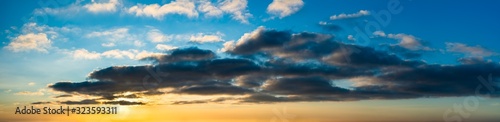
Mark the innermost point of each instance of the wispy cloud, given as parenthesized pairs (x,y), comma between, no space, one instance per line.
(348,16)
(474,51)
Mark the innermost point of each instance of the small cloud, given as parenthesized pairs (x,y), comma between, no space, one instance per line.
(96,7)
(350,37)
(164,47)
(31,83)
(206,38)
(30,93)
(181,7)
(85,54)
(348,16)
(38,42)
(474,51)
(110,44)
(157,36)
(284,8)
(138,43)
(406,41)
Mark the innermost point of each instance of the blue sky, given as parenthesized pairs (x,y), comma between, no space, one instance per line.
(43,44)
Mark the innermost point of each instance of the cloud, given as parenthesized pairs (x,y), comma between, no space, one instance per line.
(349,16)
(85,54)
(329,26)
(237,8)
(283,8)
(116,53)
(156,36)
(185,54)
(38,42)
(114,35)
(206,38)
(350,37)
(31,83)
(474,51)
(406,41)
(109,44)
(302,86)
(209,9)
(164,47)
(40,92)
(268,65)
(181,7)
(96,7)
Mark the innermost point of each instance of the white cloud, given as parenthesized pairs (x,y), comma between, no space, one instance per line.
(96,7)
(206,38)
(347,16)
(283,8)
(182,7)
(111,35)
(209,9)
(164,47)
(119,54)
(230,45)
(138,43)
(350,37)
(85,54)
(237,8)
(406,41)
(109,44)
(157,36)
(227,46)
(379,33)
(116,54)
(30,93)
(409,41)
(31,83)
(30,42)
(474,51)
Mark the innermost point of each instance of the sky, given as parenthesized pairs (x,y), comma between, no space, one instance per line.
(252,60)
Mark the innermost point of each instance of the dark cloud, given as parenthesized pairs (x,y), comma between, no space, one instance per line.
(82,102)
(303,86)
(286,67)
(473,60)
(184,54)
(94,101)
(330,27)
(123,102)
(36,103)
(213,88)
(64,95)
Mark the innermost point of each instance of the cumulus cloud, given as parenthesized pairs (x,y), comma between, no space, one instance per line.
(283,8)
(96,7)
(269,65)
(38,42)
(348,16)
(181,7)
(85,54)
